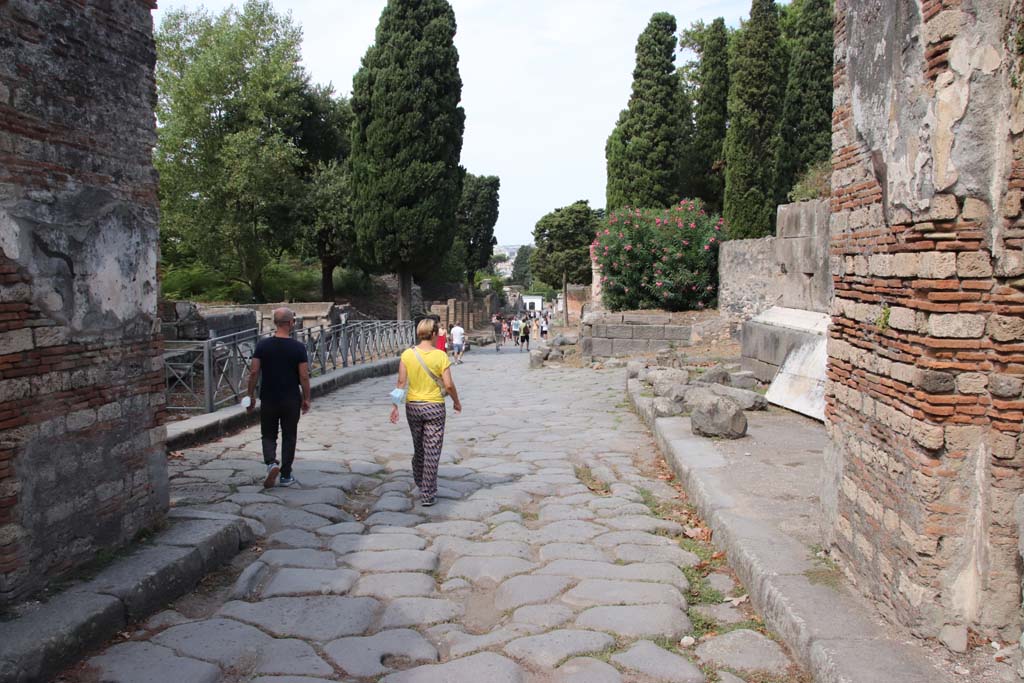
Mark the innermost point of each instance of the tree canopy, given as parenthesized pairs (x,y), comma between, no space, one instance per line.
(711,114)
(521,274)
(407,141)
(755,103)
(562,240)
(645,150)
(477,215)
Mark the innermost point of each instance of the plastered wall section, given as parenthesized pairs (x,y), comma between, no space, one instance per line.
(926,348)
(82,461)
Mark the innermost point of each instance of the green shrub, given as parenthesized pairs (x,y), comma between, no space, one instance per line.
(815,183)
(659,258)
(196,282)
(351,281)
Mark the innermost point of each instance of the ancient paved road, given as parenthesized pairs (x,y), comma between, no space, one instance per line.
(517,574)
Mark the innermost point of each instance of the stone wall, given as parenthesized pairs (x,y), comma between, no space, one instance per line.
(82,461)
(790,270)
(926,349)
(621,335)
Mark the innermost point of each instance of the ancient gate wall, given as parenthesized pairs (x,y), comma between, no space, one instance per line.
(926,355)
(82,462)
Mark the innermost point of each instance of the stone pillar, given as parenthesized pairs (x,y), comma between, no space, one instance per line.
(596,302)
(82,459)
(926,349)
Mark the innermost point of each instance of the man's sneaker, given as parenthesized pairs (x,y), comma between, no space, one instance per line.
(273,469)
(428,502)
(287,481)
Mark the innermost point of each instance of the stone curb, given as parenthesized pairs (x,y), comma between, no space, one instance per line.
(210,426)
(37,645)
(831,633)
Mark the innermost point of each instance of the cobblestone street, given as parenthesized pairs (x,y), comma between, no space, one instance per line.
(542,561)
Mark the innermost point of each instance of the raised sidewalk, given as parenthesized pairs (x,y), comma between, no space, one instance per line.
(759,497)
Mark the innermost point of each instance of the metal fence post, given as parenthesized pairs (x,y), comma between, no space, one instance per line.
(344,346)
(209,393)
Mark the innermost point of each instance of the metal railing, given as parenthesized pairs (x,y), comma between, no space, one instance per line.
(204,375)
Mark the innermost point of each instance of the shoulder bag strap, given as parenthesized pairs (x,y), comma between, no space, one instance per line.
(437,380)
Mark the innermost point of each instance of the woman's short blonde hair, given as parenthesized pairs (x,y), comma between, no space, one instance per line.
(426,330)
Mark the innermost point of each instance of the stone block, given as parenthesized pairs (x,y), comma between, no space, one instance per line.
(647,318)
(937,265)
(935,382)
(906,319)
(630,347)
(943,207)
(964,325)
(1012,203)
(1005,386)
(15,341)
(677,332)
(601,347)
(599,330)
(1006,328)
(620,331)
(973,264)
(972,383)
(648,332)
(976,210)
(906,264)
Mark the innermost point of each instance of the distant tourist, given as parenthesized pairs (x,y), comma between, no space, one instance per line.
(427,370)
(458,342)
(442,339)
(498,325)
(544,328)
(524,335)
(281,365)
(516,326)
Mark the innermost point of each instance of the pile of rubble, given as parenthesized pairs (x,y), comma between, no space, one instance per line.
(558,348)
(715,398)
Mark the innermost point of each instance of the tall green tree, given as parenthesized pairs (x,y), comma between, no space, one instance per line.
(563,238)
(229,106)
(477,215)
(712,112)
(406,142)
(643,152)
(755,104)
(521,274)
(806,131)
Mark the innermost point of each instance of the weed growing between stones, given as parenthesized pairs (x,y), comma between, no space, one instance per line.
(586,476)
(700,590)
(825,572)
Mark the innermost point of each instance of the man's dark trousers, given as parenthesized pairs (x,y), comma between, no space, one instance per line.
(284,413)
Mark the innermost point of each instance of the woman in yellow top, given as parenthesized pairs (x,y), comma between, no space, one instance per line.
(424,407)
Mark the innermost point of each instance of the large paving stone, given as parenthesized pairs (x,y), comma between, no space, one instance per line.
(276,517)
(629,552)
(643,523)
(392,560)
(544,616)
(587,670)
(395,585)
(363,657)
(342,528)
(722,613)
(594,592)
(529,590)
(457,643)
(615,538)
(649,660)
(486,667)
(349,543)
(557,513)
(392,519)
(451,547)
(472,509)
(320,618)
(296,538)
(297,581)
(419,612)
(299,557)
(585,569)
(461,528)
(492,569)
(223,641)
(329,512)
(134,662)
(722,583)
(548,649)
(569,531)
(572,551)
(744,649)
(299,497)
(637,621)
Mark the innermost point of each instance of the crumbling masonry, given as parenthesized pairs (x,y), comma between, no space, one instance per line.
(82,462)
(926,349)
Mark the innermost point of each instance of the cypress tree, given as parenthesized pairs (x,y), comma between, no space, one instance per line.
(755,103)
(806,132)
(643,153)
(406,142)
(712,114)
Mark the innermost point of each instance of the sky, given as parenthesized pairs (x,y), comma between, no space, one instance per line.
(543,82)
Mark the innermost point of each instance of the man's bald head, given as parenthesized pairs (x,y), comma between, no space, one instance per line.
(283,316)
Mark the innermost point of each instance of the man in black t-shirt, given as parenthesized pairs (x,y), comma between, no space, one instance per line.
(282,365)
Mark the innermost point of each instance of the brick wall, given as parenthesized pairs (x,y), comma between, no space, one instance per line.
(926,350)
(82,462)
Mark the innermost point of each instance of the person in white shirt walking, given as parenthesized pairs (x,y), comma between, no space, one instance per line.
(516,323)
(458,342)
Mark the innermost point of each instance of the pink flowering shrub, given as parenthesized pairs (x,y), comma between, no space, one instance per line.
(659,258)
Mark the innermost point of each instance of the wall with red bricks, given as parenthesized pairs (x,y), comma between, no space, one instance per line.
(926,350)
(82,460)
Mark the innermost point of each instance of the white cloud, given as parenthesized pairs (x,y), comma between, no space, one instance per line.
(543,84)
